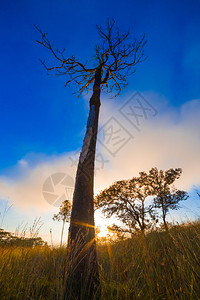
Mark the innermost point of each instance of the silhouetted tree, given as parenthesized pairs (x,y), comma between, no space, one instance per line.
(63,215)
(134,201)
(160,185)
(127,201)
(115,60)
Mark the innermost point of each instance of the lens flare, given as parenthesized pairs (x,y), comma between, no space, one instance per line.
(103,231)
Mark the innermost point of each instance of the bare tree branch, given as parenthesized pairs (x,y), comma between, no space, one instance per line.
(113,56)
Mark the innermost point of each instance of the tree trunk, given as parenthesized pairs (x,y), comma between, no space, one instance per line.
(164,220)
(143,216)
(82,277)
(61,239)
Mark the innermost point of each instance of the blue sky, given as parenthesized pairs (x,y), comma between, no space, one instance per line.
(39,117)
(34,107)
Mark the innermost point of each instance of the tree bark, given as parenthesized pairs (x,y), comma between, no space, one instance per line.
(164,219)
(61,239)
(82,277)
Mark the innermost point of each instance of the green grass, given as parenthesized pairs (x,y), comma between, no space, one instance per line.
(163,265)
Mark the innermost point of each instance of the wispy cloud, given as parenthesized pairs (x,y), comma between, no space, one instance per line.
(170,139)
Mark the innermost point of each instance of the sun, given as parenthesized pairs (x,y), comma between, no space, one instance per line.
(103,231)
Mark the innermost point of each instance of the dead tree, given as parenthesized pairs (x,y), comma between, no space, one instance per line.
(115,60)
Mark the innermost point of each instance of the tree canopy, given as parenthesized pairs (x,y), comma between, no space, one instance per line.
(161,185)
(127,200)
(135,202)
(64,212)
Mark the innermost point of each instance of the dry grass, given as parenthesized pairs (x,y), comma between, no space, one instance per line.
(160,266)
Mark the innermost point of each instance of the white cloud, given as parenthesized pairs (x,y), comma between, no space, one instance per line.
(26,191)
(170,139)
(23,163)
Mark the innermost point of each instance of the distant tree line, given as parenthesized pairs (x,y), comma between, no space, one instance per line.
(19,239)
(9,239)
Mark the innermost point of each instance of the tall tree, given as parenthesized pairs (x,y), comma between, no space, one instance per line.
(161,185)
(64,216)
(115,60)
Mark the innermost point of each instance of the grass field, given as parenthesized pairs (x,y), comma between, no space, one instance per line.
(162,265)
